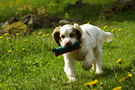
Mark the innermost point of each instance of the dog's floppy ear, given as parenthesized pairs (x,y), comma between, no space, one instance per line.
(56,35)
(78,31)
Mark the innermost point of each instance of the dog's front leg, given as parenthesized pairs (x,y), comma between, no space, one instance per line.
(88,61)
(69,68)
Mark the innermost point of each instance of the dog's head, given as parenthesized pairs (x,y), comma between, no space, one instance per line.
(67,35)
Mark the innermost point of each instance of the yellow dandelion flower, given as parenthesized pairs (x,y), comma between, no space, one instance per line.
(9,51)
(119,61)
(126,78)
(119,29)
(8,38)
(91,83)
(101,83)
(105,27)
(40,33)
(87,84)
(95,81)
(1,37)
(129,75)
(112,30)
(17,34)
(47,35)
(43,36)
(33,32)
(37,36)
(23,49)
(122,79)
(26,40)
(118,88)
(88,22)
(6,34)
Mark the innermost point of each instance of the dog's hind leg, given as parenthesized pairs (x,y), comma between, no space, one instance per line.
(98,56)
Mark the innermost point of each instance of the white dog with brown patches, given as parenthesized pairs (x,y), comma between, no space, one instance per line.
(90,37)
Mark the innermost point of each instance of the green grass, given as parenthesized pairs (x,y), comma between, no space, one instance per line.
(37,67)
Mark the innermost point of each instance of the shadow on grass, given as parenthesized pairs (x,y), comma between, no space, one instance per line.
(109,72)
(110,47)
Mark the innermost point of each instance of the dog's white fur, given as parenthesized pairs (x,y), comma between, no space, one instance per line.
(91,38)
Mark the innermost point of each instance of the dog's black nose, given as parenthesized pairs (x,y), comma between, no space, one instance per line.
(68,44)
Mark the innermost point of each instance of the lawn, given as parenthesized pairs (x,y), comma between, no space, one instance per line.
(27,62)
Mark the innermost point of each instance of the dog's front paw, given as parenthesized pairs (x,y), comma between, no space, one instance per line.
(72,79)
(99,71)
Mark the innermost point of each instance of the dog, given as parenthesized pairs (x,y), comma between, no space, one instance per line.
(90,38)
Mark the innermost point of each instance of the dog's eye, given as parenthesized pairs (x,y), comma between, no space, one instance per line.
(71,35)
(62,36)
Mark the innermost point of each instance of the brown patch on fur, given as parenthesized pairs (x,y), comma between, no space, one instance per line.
(56,35)
(73,34)
(78,32)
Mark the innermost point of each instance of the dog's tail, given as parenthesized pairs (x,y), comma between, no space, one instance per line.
(108,36)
